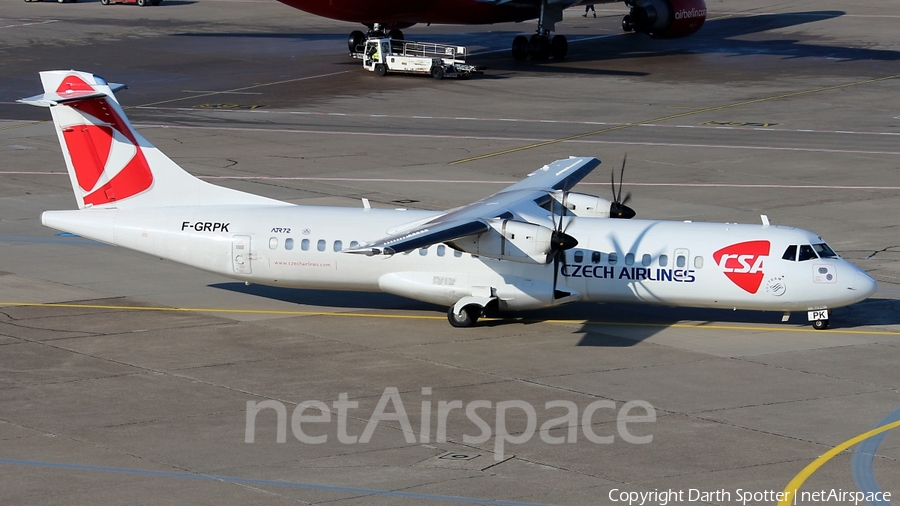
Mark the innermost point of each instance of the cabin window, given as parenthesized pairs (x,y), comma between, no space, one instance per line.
(320,245)
(629,259)
(423,251)
(595,257)
(457,253)
(806,253)
(288,243)
(680,261)
(790,253)
(663,260)
(304,244)
(645,260)
(824,251)
(354,244)
(338,245)
(579,257)
(698,262)
(273,243)
(613,258)
(441,249)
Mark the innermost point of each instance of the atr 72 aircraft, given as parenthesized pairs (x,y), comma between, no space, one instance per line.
(661,19)
(532,245)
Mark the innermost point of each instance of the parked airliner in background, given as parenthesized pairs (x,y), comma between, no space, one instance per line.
(534,244)
(661,19)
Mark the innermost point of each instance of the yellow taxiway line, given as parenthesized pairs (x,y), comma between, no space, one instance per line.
(278,312)
(807,471)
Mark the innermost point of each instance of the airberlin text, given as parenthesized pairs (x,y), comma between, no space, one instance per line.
(205,226)
(631,273)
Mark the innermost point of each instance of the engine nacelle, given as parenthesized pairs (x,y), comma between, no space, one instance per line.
(510,240)
(584,205)
(668,19)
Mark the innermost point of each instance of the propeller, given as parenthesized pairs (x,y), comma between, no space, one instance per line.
(560,241)
(618,209)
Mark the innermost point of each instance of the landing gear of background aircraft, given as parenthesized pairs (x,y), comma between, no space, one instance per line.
(395,34)
(627,23)
(356,41)
(539,47)
(817,324)
(467,316)
(559,47)
(520,47)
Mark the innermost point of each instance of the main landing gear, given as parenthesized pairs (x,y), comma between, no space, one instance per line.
(466,317)
(469,309)
(540,46)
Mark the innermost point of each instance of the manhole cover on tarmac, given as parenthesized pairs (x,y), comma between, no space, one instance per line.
(458,456)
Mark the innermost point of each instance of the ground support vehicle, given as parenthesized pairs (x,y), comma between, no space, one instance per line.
(381,55)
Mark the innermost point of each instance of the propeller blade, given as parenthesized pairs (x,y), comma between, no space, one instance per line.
(621,177)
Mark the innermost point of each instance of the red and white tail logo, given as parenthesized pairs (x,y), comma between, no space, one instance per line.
(108,162)
(742,263)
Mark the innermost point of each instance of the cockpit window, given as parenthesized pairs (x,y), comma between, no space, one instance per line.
(824,251)
(806,253)
(790,253)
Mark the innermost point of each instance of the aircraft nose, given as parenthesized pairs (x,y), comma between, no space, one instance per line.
(864,283)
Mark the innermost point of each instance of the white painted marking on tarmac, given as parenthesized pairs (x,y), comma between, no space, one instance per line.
(507,182)
(524,139)
(26,22)
(529,120)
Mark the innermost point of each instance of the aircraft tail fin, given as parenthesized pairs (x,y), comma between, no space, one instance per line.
(109,163)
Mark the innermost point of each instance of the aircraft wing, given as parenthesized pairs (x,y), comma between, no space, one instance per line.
(473,219)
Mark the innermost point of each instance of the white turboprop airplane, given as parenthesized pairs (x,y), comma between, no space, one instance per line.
(532,245)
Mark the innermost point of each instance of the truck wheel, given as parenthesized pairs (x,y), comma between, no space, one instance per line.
(437,72)
(380,69)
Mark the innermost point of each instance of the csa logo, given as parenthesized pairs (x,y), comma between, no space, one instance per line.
(109,164)
(742,263)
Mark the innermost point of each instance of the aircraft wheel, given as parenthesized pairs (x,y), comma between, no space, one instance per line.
(437,72)
(820,324)
(142,2)
(559,47)
(627,23)
(380,69)
(355,40)
(152,2)
(104,2)
(539,47)
(468,317)
(395,34)
(520,47)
